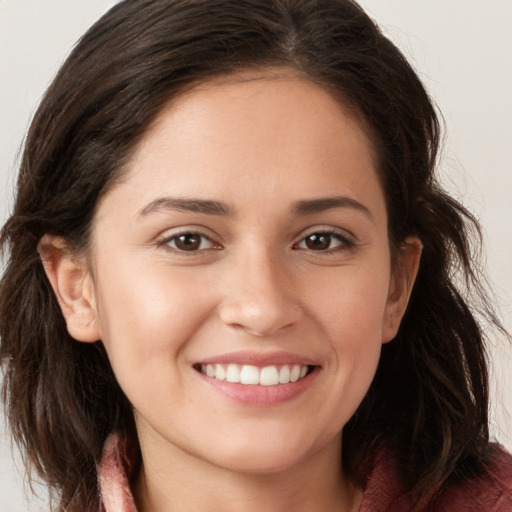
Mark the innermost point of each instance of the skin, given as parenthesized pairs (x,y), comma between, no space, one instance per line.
(259,144)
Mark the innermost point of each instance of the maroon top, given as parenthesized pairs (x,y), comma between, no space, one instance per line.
(491,492)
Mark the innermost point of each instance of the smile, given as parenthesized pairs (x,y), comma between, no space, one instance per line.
(251,375)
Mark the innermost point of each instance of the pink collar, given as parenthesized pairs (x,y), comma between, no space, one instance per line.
(115,466)
(491,492)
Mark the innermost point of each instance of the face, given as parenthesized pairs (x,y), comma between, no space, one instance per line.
(247,242)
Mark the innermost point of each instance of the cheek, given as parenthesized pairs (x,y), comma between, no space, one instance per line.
(146,315)
(352,313)
(352,302)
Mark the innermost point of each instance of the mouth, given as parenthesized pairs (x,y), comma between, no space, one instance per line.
(251,375)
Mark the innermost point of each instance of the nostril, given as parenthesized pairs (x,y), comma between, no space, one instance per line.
(260,318)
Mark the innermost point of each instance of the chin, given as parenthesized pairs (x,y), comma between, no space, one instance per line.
(263,463)
(260,456)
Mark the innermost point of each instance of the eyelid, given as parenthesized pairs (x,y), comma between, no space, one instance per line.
(347,239)
(323,228)
(165,238)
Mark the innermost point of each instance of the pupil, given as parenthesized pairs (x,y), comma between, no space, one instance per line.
(188,242)
(318,242)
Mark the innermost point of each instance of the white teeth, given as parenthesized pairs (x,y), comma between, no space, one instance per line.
(249,375)
(252,375)
(233,373)
(284,374)
(295,373)
(269,376)
(220,373)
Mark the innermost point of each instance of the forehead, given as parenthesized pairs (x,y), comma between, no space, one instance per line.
(258,136)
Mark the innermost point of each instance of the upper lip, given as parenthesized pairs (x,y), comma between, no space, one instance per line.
(245,357)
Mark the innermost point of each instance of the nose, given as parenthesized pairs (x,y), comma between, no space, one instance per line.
(260,296)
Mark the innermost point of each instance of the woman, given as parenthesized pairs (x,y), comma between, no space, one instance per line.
(230,278)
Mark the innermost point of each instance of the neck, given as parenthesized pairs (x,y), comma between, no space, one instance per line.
(179,482)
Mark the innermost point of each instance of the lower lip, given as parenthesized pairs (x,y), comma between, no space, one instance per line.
(263,396)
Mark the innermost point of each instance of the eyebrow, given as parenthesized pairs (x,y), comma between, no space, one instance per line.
(311,206)
(206,206)
(210,207)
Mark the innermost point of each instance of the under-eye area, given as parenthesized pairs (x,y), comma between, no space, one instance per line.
(271,375)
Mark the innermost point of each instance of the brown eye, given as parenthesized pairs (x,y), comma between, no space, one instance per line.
(189,242)
(324,241)
(318,241)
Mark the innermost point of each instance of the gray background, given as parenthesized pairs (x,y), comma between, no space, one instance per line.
(461,49)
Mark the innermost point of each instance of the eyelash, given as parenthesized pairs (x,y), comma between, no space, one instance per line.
(165,243)
(344,242)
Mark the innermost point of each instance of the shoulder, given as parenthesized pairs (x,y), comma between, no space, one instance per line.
(490,492)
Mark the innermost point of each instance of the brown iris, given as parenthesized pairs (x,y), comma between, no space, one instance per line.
(188,242)
(318,241)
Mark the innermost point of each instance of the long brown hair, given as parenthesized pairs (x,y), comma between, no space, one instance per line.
(428,402)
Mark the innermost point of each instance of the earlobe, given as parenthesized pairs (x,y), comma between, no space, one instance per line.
(401,286)
(73,287)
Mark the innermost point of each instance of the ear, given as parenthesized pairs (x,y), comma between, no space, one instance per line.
(400,287)
(73,286)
